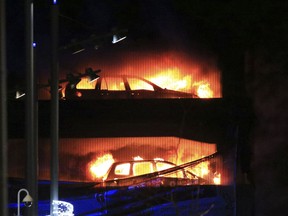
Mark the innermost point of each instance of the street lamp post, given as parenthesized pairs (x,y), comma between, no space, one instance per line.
(54,107)
(27,200)
(31,113)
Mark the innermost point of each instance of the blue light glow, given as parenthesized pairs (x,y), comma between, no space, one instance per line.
(62,208)
(34,44)
(54,2)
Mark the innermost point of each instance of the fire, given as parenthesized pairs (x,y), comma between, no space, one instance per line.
(86,84)
(203,89)
(201,169)
(158,159)
(137,158)
(173,70)
(170,78)
(99,167)
(217,179)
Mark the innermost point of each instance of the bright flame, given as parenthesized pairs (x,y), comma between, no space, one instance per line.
(86,84)
(99,167)
(158,159)
(203,89)
(217,179)
(171,79)
(171,70)
(201,169)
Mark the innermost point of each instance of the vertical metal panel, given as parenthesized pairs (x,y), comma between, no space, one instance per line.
(3,109)
(31,113)
(54,106)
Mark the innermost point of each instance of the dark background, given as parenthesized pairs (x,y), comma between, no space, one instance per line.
(249,40)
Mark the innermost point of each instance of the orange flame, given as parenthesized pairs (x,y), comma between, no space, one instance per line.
(170,78)
(201,169)
(217,179)
(172,70)
(99,167)
(203,89)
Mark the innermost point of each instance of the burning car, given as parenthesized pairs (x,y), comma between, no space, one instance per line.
(130,185)
(118,87)
(152,173)
(147,173)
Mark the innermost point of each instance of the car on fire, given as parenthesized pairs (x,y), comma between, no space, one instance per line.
(129,185)
(118,87)
(149,173)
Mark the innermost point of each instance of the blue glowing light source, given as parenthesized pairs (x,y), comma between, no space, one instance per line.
(54,2)
(62,208)
(34,44)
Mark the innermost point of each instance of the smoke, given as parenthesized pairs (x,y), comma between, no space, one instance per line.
(144,151)
(74,167)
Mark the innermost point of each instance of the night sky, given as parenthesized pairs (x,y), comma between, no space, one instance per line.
(159,26)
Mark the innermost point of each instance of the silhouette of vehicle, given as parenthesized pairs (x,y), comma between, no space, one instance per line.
(118,87)
(147,173)
(134,183)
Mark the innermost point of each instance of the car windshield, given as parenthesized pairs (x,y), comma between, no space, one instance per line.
(122,169)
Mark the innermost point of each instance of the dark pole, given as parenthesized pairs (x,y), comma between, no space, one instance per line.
(31,114)
(3,110)
(54,107)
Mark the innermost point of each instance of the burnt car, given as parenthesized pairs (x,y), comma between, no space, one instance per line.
(118,87)
(149,173)
(129,186)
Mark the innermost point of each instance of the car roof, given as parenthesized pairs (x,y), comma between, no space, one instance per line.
(129,76)
(146,160)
